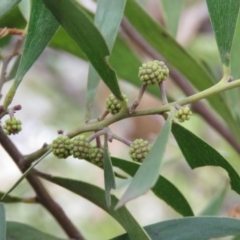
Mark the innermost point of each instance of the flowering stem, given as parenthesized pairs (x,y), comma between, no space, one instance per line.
(163,93)
(137,101)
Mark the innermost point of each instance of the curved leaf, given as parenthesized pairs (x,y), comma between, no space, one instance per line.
(20,231)
(199,154)
(97,196)
(2,222)
(85,34)
(162,189)
(164,44)
(148,173)
(223,15)
(42,26)
(6,6)
(197,228)
(107,19)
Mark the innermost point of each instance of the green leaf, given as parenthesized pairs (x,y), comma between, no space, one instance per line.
(107,19)
(235,65)
(162,189)
(199,154)
(236,238)
(42,26)
(25,8)
(172,12)
(109,178)
(214,206)
(148,173)
(2,223)
(25,174)
(164,44)
(21,231)
(6,6)
(10,199)
(77,24)
(197,228)
(223,15)
(97,196)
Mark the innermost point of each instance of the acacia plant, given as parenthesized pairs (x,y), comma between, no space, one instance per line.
(68,26)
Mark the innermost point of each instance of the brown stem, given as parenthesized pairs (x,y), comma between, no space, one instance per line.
(199,107)
(10,31)
(43,196)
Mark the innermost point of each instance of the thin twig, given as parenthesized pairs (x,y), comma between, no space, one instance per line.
(199,107)
(43,196)
(10,31)
(163,93)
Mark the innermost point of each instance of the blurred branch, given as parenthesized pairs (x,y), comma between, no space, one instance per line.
(43,196)
(199,107)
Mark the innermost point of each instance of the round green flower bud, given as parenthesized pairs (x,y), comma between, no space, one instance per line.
(139,150)
(153,72)
(96,156)
(80,147)
(183,114)
(113,105)
(61,147)
(12,126)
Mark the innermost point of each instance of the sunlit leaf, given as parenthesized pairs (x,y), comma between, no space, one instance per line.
(78,25)
(199,154)
(163,189)
(197,228)
(6,6)
(148,173)
(42,26)
(21,231)
(107,19)
(97,196)
(223,15)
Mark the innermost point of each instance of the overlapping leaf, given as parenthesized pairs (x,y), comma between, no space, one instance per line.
(78,25)
(97,196)
(199,154)
(42,27)
(6,6)
(164,44)
(197,228)
(107,19)
(163,189)
(10,199)
(148,173)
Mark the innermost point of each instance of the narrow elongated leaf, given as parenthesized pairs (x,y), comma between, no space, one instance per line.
(107,19)
(199,154)
(223,16)
(2,223)
(10,199)
(197,228)
(163,189)
(236,238)
(97,196)
(235,65)
(42,26)
(88,38)
(25,174)
(6,6)
(214,206)
(172,11)
(164,44)
(21,231)
(109,178)
(148,173)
